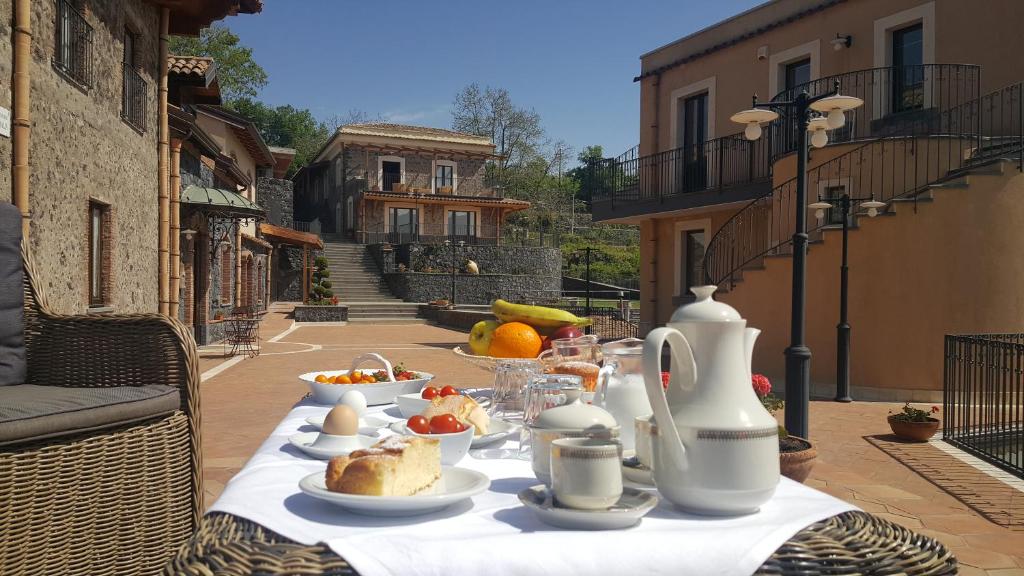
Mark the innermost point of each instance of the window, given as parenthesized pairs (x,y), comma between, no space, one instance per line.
(391,174)
(134,90)
(831,193)
(444,177)
(461,223)
(907,60)
(797,73)
(404,224)
(693,260)
(72,54)
(99,258)
(695,132)
(227,275)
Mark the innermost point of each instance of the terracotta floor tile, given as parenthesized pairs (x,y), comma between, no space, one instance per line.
(1007,572)
(961,524)
(884,492)
(979,558)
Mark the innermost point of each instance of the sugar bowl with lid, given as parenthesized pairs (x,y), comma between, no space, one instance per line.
(573,420)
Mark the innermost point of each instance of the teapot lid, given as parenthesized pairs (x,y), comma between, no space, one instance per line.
(575,416)
(705,309)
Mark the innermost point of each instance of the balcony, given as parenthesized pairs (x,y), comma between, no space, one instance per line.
(477,234)
(898,101)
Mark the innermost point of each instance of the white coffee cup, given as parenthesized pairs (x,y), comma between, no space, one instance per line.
(586,473)
(644,427)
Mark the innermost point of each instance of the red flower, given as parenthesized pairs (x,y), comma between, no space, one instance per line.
(664,380)
(761,384)
(935,409)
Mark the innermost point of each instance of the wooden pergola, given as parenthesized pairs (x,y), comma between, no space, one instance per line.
(306,240)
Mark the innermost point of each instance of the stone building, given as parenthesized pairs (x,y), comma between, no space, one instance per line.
(88,144)
(393,183)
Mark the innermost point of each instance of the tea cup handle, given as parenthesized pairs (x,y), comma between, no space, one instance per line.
(603,375)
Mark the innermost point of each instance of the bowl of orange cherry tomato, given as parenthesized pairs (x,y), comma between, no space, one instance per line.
(455,437)
(414,403)
(379,385)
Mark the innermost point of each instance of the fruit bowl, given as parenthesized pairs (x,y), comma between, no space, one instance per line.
(376,394)
(485,362)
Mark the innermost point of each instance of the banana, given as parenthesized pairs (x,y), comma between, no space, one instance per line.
(540,317)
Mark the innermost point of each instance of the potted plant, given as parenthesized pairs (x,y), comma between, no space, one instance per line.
(913,423)
(796,454)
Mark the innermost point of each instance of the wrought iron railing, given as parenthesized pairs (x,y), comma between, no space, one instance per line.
(73,44)
(983,397)
(479,234)
(898,101)
(389,181)
(134,96)
(891,168)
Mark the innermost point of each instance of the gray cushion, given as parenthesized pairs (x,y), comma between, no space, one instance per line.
(30,412)
(12,313)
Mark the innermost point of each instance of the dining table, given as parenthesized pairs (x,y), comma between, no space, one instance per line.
(233,538)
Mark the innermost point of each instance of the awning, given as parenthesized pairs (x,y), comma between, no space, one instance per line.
(223,203)
(257,241)
(289,236)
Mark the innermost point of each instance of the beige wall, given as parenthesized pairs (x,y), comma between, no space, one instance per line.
(229,144)
(965,33)
(81,149)
(953,266)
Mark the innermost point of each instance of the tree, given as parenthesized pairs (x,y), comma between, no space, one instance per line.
(237,73)
(516,132)
(286,126)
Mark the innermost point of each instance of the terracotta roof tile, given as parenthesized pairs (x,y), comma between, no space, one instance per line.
(185,65)
(413,132)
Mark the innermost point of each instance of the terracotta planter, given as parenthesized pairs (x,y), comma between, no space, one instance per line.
(916,431)
(797,465)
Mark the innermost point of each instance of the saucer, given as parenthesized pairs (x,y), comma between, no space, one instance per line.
(625,513)
(304,441)
(634,471)
(368,425)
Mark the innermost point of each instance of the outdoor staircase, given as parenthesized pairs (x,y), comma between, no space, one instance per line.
(356,280)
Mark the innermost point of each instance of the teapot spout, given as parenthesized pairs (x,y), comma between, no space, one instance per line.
(749,338)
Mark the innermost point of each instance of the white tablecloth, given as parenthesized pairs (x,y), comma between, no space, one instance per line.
(495,534)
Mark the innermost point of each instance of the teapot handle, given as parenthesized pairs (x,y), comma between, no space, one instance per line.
(684,375)
(601,390)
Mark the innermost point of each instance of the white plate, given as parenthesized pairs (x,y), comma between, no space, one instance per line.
(304,441)
(368,425)
(634,471)
(498,430)
(455,485)
(627,512)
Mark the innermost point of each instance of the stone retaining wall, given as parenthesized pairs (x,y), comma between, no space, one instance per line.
(321,313)
(470,288)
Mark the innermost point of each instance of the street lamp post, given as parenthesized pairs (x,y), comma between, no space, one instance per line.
(831,107)
(846,205)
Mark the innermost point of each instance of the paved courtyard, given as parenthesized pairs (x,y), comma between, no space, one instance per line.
(919,486)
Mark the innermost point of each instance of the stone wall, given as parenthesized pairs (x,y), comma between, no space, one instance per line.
(489,259)
(286,273)
(472,288)
(419,170)
(6,97)
(81,150)
(277,197)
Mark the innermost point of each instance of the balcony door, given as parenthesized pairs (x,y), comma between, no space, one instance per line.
(403,225)
(391,174)
(695,133)
(907,60)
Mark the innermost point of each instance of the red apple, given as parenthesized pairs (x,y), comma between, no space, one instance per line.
(545,344)
(565,332)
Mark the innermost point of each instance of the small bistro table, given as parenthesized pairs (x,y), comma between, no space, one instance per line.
(850,543)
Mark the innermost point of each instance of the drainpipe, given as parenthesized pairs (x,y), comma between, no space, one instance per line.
(163,161)
(238,266)
(22,121)
(175,225)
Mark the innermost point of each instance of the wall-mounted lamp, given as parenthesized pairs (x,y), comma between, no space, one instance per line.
(841,41)
(188,233)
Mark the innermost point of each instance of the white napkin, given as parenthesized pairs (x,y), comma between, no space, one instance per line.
(496,534)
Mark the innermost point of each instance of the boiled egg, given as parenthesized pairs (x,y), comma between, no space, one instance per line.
(355,400)
(342,420)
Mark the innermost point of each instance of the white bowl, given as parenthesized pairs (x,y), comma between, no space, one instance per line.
(411,404)
(376,394)
(453,446)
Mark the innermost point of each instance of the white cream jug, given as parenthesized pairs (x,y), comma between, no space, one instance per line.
(717,449)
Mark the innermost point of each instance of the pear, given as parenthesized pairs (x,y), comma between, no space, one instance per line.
(480,336)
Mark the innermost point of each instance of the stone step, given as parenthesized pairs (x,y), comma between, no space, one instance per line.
(387,321)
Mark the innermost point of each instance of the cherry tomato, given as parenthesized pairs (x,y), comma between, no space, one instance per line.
(419,425)
(443,424)
(448,391)
(459,426)
(429,393)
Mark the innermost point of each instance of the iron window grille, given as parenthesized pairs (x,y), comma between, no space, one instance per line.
(73,44)
(133,103)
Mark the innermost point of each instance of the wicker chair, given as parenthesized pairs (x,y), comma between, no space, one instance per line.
(119,497)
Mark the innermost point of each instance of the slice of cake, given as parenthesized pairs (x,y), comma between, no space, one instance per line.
(464,408)
(395,466)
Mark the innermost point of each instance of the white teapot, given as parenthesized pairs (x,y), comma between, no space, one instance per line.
(717,449)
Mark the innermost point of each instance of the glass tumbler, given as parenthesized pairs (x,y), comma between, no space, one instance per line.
(543,392)
(510,380)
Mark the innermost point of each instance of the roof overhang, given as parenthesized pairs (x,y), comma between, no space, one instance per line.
(244,130)
(289,236)
(283,158)
(394,144)
(183,126)
(508,204)
(220,203)
(188,17)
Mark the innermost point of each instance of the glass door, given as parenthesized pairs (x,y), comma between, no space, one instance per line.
(908,72)
(404,225)
(695,132)
(462,226)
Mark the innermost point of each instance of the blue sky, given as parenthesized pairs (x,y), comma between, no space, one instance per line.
(572,61)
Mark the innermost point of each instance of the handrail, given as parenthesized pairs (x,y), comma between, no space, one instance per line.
(890,168)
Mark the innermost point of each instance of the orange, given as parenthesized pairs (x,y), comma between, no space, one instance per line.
(515,340)
(343,380)
(369,380)
(321,378)
(355,375)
